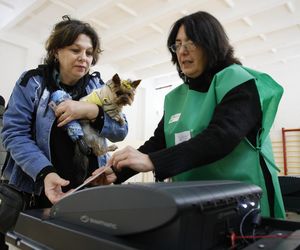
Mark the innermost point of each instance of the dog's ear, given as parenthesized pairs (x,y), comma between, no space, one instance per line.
(116,79)
(135,83)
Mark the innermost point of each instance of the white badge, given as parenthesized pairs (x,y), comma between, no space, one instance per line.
(174,118)
(182,136)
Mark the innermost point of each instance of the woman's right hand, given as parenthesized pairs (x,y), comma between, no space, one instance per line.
(52,184)
(70,110)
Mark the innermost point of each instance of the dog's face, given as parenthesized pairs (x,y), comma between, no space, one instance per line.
(124,90)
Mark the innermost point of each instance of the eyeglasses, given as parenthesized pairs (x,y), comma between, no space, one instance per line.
(189,46)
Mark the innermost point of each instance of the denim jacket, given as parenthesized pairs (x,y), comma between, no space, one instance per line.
(30,151)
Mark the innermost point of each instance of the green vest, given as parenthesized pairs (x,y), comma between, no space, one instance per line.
(188,113)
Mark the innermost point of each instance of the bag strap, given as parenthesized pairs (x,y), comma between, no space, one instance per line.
(4,166)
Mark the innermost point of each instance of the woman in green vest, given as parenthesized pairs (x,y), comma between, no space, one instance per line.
(216,124)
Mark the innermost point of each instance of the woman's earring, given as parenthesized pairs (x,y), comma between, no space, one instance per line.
(186,79)
(55,60)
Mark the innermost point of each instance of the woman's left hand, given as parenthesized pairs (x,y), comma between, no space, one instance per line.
(132,158)
(70,110)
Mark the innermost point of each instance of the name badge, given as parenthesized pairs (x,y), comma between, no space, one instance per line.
(174,118)
(182,136)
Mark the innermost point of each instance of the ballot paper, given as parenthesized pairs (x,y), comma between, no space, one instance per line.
(89,180)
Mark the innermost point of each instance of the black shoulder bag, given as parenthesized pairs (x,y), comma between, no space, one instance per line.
(11,204)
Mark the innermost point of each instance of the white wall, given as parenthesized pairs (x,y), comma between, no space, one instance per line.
(16,59)
(288,75)
(12,63)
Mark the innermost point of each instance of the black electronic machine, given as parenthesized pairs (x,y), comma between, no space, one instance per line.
(185,215)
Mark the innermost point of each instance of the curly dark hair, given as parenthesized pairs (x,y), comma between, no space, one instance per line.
(65,33)
(205,31)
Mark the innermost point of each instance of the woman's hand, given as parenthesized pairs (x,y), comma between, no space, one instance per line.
(131,158)
(52,184)
(70,110)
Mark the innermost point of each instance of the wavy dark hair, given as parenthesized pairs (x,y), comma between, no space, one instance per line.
(65,33)
(205,31)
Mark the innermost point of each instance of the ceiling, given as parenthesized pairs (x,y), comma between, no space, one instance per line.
(134,32)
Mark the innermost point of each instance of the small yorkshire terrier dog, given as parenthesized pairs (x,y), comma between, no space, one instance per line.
(112,97)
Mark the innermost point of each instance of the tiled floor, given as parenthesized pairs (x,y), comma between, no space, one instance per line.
(293,216)
(10,247)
